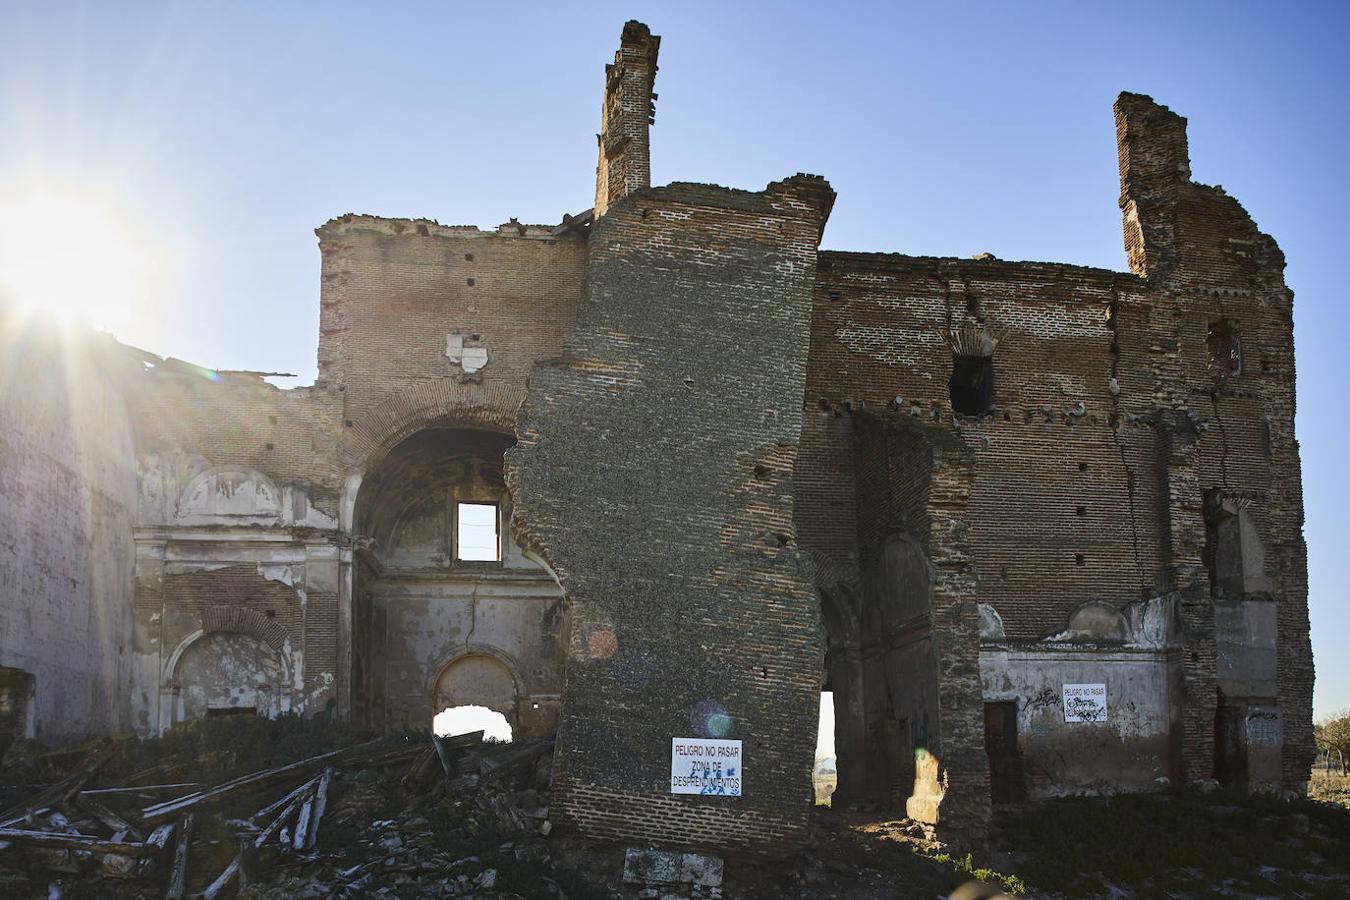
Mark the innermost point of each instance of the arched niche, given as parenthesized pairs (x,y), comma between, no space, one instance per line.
(405,510)
(478,678)
(229,672)
(230,493)
(1098,622)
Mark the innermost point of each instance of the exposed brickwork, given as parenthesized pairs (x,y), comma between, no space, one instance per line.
(243,590)
(394,290)
(628,110)
(653,471)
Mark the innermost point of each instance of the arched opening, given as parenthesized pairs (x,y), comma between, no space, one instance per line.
(457,720)
(229,674)
(479,680)
(438,576)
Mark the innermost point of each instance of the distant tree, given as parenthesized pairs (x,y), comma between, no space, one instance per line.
(1332,735)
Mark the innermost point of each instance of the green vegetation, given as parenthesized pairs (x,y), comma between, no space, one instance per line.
(965,866)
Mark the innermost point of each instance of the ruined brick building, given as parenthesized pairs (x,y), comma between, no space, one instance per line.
(667,469)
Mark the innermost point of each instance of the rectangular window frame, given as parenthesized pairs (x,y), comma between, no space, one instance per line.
(457,531)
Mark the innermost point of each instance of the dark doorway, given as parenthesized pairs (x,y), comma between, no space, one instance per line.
(1005,761)
(1230,748)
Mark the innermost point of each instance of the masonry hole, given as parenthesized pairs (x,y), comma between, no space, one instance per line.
(468,257)
(1225,348)
(1079,560)
(423,230)
(972,385)
(470,282)
(1082,511)
(271,446)
(1082,467)
(761,471)
(825,771)
(456,720)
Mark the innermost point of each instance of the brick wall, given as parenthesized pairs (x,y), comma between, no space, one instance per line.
(653,471)
(394,290)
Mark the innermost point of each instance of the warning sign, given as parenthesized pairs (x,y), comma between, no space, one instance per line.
(1084,703)
(704,766)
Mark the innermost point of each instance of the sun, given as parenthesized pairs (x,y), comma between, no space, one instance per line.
(72,256)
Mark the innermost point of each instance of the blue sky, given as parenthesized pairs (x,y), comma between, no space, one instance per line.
(223,134)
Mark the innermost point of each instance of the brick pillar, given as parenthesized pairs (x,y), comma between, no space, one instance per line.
(628,111)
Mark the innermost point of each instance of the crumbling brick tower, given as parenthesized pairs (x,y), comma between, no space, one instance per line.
(654,472)
(1234,504)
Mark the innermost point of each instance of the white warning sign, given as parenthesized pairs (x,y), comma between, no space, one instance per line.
(705,766)
(1084,703)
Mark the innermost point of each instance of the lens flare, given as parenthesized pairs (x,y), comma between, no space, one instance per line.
(73,256)
(710,719)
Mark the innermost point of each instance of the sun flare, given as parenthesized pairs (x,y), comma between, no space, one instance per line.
(74,257)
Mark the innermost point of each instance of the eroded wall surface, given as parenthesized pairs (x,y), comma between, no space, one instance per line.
(654,473)
(237,604)
(67,500)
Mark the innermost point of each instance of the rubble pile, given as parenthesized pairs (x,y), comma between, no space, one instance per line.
(402,816)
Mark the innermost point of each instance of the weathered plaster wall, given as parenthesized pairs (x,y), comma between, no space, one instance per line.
(1130,751)
(653,471)
(237,600)
(67,498)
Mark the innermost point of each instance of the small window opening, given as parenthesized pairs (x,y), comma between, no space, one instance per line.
(477,536)
(456,720)
(1225,348)
(972,385)
(825,772)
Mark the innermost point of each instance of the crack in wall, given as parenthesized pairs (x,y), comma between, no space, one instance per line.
(1117,422)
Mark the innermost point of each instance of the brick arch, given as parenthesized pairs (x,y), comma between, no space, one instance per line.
(496,657)
(443,402)
(249,622)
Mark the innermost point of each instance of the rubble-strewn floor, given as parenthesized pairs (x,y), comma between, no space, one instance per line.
(396,823)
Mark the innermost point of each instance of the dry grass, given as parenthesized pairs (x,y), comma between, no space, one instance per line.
(824,785)
(1330,787)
